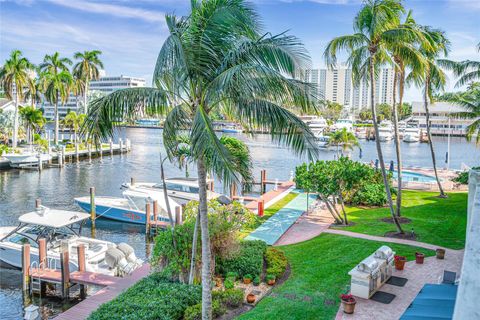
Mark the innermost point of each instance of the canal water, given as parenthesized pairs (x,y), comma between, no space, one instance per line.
(57,187)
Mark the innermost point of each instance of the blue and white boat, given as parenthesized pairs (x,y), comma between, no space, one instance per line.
(130,208)
(232,128)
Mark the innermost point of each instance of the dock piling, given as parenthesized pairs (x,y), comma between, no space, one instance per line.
(120,141)
(92,206)
(81,266)
(63,154)
(178,215)
(132,182)
(38,203)
(89,147)
(147,218)
(263,178)
(155,210)
(233,190)
(261,207)
(40,164)
(64,262)
(77,154)
(111,147)
(128,144)
(25,267)
(42,253)
(59,159)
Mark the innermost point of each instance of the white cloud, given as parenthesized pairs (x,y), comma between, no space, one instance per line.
(112,9)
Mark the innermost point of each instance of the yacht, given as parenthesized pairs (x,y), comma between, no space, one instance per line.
(25,159)
(385,131)
(232,128)
(181,190)
(411,134)
(57,227)
(343,123)
(129,208)
(317,124)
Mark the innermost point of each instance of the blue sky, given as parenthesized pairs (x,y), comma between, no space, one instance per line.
(130,33)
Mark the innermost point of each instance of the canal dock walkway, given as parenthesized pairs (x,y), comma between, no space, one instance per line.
(84,308)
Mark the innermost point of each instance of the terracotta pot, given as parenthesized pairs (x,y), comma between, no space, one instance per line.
(348,306)
(440,253)
(419,257)
(271,282)
(400,264)
(218,282)
(247,281)
(251,298)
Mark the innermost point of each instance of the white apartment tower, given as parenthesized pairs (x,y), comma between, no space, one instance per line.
(336,85)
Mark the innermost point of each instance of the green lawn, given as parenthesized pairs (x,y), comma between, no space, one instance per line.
(319,275)
(434,220)
(269,212)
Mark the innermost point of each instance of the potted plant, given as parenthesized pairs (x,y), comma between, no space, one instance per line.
(251,298)
(232,275)
(270,279)
(247,278)
(256,281)
(348,302)
(440,253)
(419,257)
(218,282)
(400,262)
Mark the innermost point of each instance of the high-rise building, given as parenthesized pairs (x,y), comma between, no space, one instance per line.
(336,85)
(104,84)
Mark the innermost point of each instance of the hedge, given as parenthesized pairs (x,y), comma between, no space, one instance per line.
(248,260)
(276,262)
(152,298)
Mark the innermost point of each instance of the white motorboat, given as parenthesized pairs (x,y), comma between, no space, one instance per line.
(130,208)
(343,123)
(181,190)
(58,227)
(385,131)
(317,125)
(411,134)
(27,158)
(323,142)
(232,128)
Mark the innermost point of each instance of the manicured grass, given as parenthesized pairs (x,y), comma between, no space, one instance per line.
(268,213)
(319,274)
(434,220)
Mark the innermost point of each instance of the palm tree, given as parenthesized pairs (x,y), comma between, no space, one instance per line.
(345,139)
(377,27)
(33,94)
(215,60)
(467,70)
(470,101)
(15,75)
(57,82)
(33,120)
(432,79)
(74,121)
(404,54)
(87,69)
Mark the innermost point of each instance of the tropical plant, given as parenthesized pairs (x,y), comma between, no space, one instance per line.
(74,121)
(332,110)
(15,75)
(467,70)
(217,60)
(33,120)
(33,94)
(432,79)
(56,83)
(345,139)
(377,27)
(365,115)
(85,70)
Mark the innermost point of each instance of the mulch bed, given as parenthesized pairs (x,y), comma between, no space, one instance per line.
(405,236)
(401,220)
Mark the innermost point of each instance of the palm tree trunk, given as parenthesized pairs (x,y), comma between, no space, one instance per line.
(379,148)
(397,145)
(85,92)
(56,120)
(206,251)
(15,123)
(194,251)
(429,134)
(167,203)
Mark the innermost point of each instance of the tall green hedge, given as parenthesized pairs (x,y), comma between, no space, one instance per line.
(248,260)
(152,298)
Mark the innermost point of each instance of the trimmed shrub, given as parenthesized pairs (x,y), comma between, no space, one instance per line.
(152,298)
(370,195)
(256,281)
(231,274)
(228,283)
(276,262)
(195,312)
(232,298)
(248,259)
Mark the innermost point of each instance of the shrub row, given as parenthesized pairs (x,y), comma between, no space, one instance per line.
(152,298)
(248,260)
(231,298)
(276,262)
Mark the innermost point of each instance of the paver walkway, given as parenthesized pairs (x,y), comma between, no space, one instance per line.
(308,226)
(83,309)
(418,275)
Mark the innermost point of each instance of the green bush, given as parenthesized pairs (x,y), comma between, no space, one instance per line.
(228,283)
(462,177)
(256,281)
(248,259)
(152,298)
(232,298)
(370,195)
(232,274)
(248,277)
(195,312)
(276,261)
(270,277)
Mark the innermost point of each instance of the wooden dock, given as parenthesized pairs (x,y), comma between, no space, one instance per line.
(84,308)
(76,277)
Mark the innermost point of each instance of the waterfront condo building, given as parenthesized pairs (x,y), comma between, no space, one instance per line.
(336,85)
(104,85)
